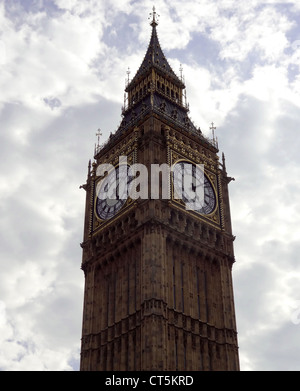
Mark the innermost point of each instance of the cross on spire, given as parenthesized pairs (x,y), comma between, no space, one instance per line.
(213,128)
(181,70)
(128,74)
(154,17)
(98,134)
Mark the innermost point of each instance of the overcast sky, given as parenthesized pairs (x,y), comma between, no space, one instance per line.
(63,67)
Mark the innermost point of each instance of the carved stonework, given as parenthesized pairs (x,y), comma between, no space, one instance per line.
(158,277)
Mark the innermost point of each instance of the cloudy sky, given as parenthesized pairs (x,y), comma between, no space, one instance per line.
(63,67)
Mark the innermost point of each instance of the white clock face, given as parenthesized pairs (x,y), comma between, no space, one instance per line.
(207,203)
(113,192)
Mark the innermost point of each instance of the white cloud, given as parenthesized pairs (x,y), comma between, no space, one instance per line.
(62,77)
(50,57)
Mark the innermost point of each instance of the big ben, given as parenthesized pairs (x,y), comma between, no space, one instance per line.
(158,274)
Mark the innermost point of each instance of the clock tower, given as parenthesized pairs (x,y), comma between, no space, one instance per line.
(158,275)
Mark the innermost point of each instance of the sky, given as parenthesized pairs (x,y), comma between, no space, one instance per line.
(63,68)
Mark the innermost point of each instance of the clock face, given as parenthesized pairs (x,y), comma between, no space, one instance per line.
(113,192)
(186,180)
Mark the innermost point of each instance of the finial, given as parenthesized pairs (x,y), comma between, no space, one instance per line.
(223,162)
(128,74)
(213,128)
(180,70)
(89,169)
(154,17)
(98,134)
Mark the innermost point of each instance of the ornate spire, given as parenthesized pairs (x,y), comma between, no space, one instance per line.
(154,57)
(156,89)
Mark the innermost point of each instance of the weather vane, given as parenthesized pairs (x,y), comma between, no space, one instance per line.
(154,16)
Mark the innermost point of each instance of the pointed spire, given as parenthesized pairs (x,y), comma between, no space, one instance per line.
(154,57)
(156,88)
